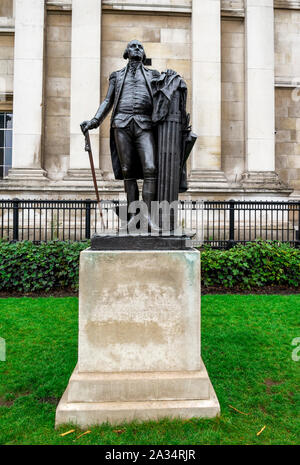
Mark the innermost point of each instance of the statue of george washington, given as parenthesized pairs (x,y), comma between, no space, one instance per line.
(140,99)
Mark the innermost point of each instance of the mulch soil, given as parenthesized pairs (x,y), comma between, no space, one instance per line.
(266,290)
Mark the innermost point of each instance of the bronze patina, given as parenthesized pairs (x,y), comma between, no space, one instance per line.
(150,136)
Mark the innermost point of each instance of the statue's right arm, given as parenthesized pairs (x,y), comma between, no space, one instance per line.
(103,109)
(108,102)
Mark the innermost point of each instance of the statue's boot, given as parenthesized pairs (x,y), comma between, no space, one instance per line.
(149,196)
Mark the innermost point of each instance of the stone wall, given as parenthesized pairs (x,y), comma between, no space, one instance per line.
(147,4)
(288,136)
(6,8)
(287,44)
(167,42)
(287,66)
(167,39)
(57,98)
(287,3)
(163,4)
(6,63)
(233,106)
(232,4)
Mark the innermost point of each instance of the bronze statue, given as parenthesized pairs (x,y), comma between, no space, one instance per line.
(150,136)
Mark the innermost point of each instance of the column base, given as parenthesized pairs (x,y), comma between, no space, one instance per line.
(96,398)
(82,174)
(263,180)
(207,179)
(32,174)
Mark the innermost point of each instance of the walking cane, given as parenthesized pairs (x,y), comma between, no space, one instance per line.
(89,150)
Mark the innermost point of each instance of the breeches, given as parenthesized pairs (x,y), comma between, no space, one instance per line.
(132,139)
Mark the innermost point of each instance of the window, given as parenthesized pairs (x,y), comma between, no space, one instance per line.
(6,122)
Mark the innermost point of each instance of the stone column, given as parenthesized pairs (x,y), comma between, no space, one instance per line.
(260,99)
(206,90)
(14,8)
(28,90)
(85,82)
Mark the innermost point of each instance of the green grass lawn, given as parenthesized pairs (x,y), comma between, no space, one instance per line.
(246,346)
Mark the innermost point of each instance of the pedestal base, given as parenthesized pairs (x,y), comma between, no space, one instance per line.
(93,399)
(127,242)
(139,355)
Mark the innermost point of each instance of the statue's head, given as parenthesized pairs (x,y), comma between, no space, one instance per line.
(135,51)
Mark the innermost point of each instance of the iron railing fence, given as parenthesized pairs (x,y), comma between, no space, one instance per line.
(220,224)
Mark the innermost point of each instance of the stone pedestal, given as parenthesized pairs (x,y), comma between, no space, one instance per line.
(139,354)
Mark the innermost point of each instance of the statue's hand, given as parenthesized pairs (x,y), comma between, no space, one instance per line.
(87,125)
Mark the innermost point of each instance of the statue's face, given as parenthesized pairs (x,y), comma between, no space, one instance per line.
(135,50)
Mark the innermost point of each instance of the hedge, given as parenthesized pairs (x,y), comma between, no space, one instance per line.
(253,265)
(26,268)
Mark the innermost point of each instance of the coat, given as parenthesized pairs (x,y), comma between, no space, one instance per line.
(116,82)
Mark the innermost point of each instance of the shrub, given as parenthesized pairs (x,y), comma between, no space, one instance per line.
(253,265)
(25,267)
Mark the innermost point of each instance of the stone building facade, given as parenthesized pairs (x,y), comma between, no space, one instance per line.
(240,59)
